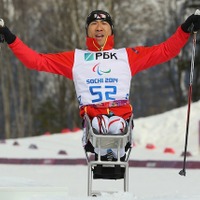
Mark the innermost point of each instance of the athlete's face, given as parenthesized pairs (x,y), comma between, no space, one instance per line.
(99,30)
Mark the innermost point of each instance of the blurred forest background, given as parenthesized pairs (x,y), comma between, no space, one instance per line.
(33,103)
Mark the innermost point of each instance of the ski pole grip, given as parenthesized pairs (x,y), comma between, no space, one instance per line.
(197,12)
(2,24)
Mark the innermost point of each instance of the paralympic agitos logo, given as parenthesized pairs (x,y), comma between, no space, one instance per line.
(100,72)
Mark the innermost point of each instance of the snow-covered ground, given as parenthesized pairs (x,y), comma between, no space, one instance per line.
(61,182)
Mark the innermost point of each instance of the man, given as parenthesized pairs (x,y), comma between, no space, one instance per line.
(102,74)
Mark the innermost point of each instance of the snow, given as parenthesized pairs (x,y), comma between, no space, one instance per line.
(64,182)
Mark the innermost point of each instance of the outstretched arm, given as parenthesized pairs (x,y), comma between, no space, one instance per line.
(141,58)
(59,63)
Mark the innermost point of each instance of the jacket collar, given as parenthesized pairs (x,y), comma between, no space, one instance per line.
(92,44)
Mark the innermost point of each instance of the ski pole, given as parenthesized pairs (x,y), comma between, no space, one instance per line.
(183,171)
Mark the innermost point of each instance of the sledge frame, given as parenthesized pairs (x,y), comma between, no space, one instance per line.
(108,141)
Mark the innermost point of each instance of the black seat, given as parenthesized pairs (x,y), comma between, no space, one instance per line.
(108,172)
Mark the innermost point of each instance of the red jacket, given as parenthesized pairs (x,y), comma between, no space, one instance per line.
(140,58)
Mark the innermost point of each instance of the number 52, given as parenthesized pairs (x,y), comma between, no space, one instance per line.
(108,93)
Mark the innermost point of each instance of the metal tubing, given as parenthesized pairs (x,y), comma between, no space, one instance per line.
(183,171)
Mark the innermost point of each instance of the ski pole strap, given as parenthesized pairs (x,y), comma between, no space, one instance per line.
(109,104)
(2,38)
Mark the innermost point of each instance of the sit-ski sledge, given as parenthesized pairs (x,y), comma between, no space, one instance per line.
(99,168)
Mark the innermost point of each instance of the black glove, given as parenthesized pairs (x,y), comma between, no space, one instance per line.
(6,34)
(191,24)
